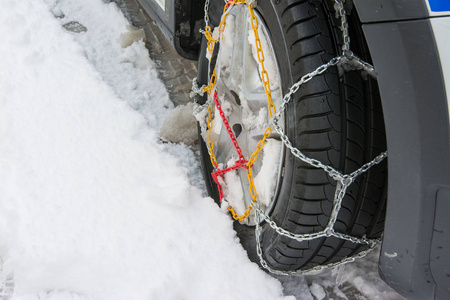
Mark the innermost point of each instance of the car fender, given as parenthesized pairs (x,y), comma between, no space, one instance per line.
(413,80)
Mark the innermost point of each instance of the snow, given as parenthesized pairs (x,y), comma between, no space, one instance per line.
(180,126)
(270,64)
(93,205)
(127,39)
(226,42)
(265,181)
(233,190)
(317,291)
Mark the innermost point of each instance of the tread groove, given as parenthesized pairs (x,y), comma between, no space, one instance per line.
(319,52)
(300,40)
(300,22)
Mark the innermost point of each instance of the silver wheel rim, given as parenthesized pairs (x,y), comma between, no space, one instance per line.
(244,102)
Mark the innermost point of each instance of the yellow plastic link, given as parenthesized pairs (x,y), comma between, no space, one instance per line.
(251,184)
(264,75)
(210,39)
(222,21)
(243,217)
(212,82)
(252,159)
(210,143)
(208,33)
(259,146)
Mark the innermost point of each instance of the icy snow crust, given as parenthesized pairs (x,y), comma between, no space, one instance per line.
(92,204)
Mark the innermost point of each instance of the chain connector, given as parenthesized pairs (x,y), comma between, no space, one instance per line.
(347,180)
(252,3)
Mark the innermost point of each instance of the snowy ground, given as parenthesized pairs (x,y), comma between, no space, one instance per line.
(93,205)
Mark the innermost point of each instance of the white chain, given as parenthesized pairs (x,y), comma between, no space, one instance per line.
(343,181)
(347,59)
(339,7)
(196,90)
(206,17)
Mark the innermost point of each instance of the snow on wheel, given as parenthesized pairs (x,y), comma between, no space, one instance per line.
(335,118)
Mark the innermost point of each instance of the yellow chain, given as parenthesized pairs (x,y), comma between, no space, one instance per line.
(212,83)
(210,39)
(264,74)
(271,106)
(212,156)
(251,185)
(208,33)
(244,216)
(252,159)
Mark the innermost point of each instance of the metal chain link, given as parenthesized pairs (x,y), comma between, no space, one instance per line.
(339,7)
(343,181)
(206,12)
(286,99)
(281,231)
(346,59)
(196,90)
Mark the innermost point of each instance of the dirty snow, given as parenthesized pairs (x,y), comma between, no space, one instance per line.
(93,205)
(180,126)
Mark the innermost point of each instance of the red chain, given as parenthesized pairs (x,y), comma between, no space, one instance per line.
(215,175)
(228,127)
(240,163)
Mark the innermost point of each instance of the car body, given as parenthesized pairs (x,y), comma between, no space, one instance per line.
(409,42)
(413,64)
(180,21)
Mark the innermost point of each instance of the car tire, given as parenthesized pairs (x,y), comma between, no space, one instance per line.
(335,118)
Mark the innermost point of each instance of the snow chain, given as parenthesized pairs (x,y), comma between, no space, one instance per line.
(343,180)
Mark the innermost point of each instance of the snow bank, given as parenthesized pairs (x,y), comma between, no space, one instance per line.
(91,206)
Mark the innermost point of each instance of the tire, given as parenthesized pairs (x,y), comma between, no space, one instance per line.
(335,118)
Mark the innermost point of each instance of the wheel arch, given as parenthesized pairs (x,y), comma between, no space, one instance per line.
(180,21)
(416,116)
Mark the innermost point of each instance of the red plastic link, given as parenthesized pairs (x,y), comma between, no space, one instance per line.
(215,175)
(240,163)
(228,127)
(227,5)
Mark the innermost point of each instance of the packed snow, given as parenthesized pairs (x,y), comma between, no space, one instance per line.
(94,204)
